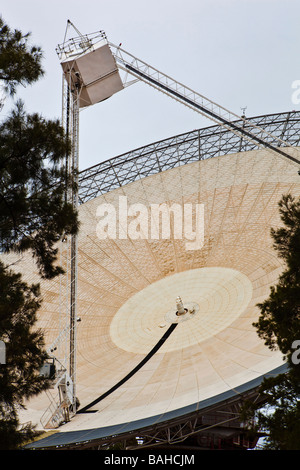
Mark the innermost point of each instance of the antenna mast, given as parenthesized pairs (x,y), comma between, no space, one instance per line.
(90,75)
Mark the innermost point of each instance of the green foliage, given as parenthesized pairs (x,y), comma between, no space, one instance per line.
(279,326)
(282,417)
(20,64)
(279,321)
(25,354)
(34,215)
(33,210)
(279,418)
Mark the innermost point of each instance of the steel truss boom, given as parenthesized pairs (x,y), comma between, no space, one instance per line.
(196,101)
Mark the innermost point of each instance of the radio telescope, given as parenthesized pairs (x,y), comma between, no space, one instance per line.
(162,342)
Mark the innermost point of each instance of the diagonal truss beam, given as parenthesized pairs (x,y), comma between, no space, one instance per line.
(196,101)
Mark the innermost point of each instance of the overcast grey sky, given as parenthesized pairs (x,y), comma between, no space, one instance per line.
(239,53)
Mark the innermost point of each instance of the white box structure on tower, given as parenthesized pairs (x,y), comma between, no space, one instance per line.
(93,71)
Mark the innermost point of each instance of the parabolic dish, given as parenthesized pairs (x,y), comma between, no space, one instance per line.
(127,290)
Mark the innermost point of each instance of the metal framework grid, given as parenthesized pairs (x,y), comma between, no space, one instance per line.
(185,148)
